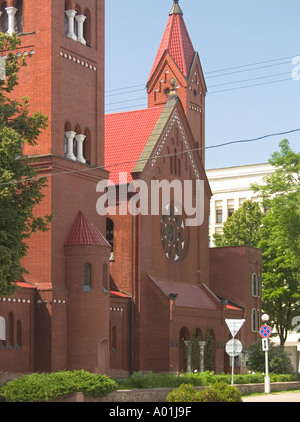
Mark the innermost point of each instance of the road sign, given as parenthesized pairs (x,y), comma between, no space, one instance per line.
(2,328)
(265,331)
(265,344)
(234,325)
(233,347)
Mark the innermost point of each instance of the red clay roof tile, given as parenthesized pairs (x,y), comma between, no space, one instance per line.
(126,135)
(84,233)
(177,41)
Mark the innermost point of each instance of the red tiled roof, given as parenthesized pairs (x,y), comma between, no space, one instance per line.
(83,233)
(177,41)
(24,284)
(126,135)
(189,295)
(119,294)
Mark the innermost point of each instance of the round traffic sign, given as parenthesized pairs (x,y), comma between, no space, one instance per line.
(233,347)
(265,331)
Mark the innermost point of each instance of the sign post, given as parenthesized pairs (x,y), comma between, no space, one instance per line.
(265,332)
(234,347)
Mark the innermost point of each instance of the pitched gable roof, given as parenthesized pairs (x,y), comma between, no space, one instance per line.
(84,233)
(177,42)
(126,135)
(188,295)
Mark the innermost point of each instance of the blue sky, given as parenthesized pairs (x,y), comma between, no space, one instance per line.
(255,39)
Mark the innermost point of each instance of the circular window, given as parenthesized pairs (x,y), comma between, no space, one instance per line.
(174,234)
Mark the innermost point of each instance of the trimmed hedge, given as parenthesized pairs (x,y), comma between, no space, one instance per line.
(218,392)
(170,380)
(47,387)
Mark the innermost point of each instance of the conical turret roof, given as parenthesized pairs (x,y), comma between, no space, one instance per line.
(177,41)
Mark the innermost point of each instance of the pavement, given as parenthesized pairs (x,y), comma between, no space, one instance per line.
(287,397)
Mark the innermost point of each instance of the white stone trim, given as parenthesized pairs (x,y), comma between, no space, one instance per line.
(80,21)
(71,24)
(80,139)
(11,12)
(70,138)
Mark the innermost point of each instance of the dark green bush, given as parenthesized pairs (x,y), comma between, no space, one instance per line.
(279,361)
(218,392)
(47,387)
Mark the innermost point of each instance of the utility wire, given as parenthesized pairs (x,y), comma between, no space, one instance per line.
(106,167)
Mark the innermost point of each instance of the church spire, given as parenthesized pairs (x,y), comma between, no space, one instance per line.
(176,10)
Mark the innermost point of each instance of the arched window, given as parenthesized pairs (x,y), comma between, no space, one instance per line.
(114,339)
(110,232)
(87,28)
(253,320)
(3,18)
(19,335)
(87,278)
(87,146)
(11,331)
(78,132)
(105,278)
(67,129)
(259,285)
(2,332)
(19,17)
(78,10)
(254,284)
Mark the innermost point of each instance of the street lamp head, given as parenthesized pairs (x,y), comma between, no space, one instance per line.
(265,317)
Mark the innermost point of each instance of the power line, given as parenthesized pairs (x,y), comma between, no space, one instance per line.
(247,65)
(249,80)
(106,167)
(218,71)
(250,86)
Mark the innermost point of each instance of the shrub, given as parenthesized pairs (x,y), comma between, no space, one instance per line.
(218,392)
(47,387)
(184,393)
(279,361)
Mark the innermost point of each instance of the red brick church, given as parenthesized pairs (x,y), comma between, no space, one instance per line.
(123,291)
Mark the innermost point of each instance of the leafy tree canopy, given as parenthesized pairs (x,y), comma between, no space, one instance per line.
(20,186)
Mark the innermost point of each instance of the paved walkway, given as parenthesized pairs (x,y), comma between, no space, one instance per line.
(275,397)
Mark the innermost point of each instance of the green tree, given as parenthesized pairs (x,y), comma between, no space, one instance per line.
(280,239)
(242,228)
(20,186)
(279,361)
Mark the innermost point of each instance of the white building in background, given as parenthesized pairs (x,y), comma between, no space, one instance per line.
(231,186)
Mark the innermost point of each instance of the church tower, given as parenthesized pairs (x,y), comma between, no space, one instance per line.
(63,42)
(176,58)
